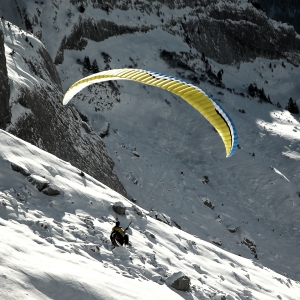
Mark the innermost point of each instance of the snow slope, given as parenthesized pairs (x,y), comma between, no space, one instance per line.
(57,247)
(163,150)
(172,162)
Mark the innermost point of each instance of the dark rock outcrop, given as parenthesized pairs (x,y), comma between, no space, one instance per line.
(56,129)
(87,29)
(287,11)
(44,122)
(179,281)
(119,208)
(230,34)
(39,182)
(51,190)
(19,168)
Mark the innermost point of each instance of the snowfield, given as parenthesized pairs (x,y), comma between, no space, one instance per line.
(57,247)
(231,225)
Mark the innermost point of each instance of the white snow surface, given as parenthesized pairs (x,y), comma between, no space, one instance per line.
(58,247)
(171,162)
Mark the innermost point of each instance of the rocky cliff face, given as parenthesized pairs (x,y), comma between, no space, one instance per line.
(226,31)
(4,87)
(60,131)
(229,33)
(287,11)
(39,117)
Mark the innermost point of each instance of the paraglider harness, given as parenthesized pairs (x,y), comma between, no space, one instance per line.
(118,236)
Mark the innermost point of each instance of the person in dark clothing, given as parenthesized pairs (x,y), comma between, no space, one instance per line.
(118,235)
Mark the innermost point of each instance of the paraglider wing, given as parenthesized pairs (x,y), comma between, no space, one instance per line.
(206,105)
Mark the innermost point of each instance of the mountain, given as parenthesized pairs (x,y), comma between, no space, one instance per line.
(58,247)
(167,157)
(287,11)
(31,107)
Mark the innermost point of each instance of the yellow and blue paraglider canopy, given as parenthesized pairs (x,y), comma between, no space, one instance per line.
(206,105)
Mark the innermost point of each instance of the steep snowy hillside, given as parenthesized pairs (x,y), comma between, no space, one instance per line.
(57,247)
(31,107)
(170,159)
(167,156)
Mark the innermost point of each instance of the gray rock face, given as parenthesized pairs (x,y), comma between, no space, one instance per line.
(56,129)
(119,208)
(230,34)
(4,87)
(39,182)
(51,126)
(182,283)
(286,11)
(179,281)
(223,30)
(51,190)
(21,169)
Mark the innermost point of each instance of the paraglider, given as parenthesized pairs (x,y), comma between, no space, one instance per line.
(119,236)
(206,105)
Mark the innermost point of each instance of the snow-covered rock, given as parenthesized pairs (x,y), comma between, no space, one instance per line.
(179,281)
(119,208)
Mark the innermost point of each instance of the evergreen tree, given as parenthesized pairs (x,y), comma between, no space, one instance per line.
(292,106)
(87,63)
(220,75)
(95,68)
(81,8)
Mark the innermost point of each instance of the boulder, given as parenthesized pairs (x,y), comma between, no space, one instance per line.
(179,281)
(51,190)
(19,168)
(119,208)
(39,182)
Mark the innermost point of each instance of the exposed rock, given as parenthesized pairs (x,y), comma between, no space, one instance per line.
(206,180)
(63,137)
(45,70)
(240,33)
(150,234)
(217,242)
(49,125)
(133,200)
(119,208)
(39,182)
(179,281)
(176,224)
(287,11)
(135,153)
(51,190)
(208,203)
(232,229)
(161,217)
(105,131)
(250,244)
(3,202)
(138,211)
(19,168)
(92,30)
(86,127)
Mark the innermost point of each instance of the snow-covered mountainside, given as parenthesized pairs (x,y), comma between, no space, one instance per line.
(169,159)
(31,107)
(57,247)
(285,11)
